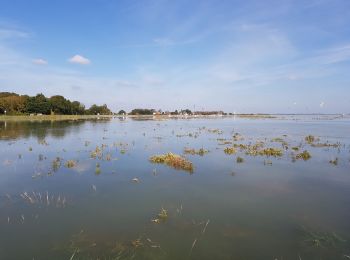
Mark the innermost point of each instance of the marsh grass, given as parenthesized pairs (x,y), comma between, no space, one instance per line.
(230,150)
(173,160)
(192,151)
(305,155)
(97,169)
(56,164)
(334,161)
(70,163)
(311,139)
(239,160)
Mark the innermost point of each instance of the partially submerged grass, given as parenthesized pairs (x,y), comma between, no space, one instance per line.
(230,150)
(334,161)
(304,155)
(56,164)
(310,139)
(257,149)
(173,160)
(97,169)
(327,144)
(321,239)
(70,163)
(239,159)
(192,151)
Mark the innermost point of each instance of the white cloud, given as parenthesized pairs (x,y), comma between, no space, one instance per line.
(78,59)
(39,61)
(322,104)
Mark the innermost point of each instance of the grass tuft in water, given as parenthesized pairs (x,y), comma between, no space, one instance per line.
(304,155)
(200,152)
(173,160)
(70,163)
(239,159)
(230,150)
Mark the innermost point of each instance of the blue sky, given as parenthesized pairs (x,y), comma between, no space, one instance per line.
(245,56)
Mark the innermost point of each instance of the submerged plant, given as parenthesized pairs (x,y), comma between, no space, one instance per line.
(304,155)
(97,169)
(173,160)
(239,159)
(56,164)
(321,239)
(163,214)
(335,161)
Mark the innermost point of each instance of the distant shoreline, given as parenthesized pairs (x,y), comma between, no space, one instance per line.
(87,117)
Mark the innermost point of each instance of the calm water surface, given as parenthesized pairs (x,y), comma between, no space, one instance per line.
(263,208)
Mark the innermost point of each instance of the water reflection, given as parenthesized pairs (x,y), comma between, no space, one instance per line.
(10,130)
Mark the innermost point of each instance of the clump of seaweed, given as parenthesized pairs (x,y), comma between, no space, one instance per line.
(230,150)
(192,151)
(173,160)
(304,155)
(70,163)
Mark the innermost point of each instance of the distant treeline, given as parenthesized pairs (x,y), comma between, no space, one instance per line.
(14,104)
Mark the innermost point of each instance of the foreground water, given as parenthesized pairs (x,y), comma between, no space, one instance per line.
(61,197)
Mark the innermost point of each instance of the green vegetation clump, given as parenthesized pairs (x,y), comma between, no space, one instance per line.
(304,155)
(230,150)
(310,139)
(70,163)
(173,160)
(191,151)
(271,152)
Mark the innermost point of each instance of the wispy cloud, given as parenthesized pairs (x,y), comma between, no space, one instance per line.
(11,33)
(39,61)
(78,59)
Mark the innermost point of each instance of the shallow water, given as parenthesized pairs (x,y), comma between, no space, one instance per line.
(263,208)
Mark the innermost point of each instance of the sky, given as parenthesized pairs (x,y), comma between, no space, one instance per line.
(271,56)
